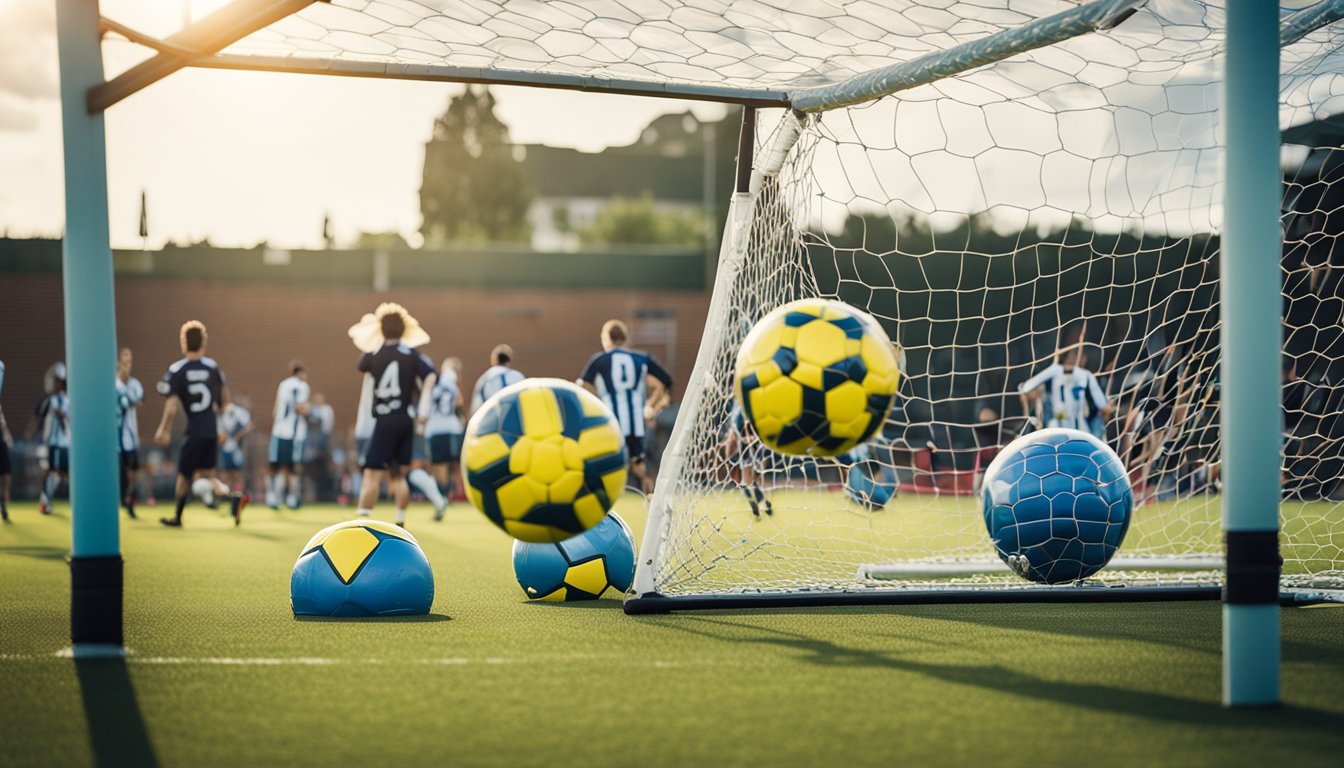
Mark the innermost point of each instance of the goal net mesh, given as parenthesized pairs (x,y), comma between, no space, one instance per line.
(1069,198)
(1062,195)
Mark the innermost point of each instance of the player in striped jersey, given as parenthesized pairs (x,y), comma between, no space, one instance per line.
(53,413)
(235,423)
(498,376)
(1070,394)
(442,413)
(130,394)
(6,440)
(633,385)
(289,429)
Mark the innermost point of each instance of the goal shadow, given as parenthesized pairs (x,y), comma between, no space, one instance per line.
(117,733)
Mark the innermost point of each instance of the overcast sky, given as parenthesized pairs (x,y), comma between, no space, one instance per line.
(245,157)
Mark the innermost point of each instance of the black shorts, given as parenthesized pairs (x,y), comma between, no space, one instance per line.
(445,447)
(130,459)
(634,446)
(5,469)
(390,445)
(58,459)
(197,453)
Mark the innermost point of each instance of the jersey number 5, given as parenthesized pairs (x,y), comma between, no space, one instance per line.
(202,392)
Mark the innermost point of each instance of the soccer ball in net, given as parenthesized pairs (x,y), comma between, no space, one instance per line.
(816,377)
(580,567)
(870,485)
(361,568)
(544,460)
(1057,503)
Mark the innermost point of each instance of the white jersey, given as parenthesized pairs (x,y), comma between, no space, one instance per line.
(1072,398)
(54,411)
(443,416)
(130,394)
(364,414)
(288,423)
(493,380)
(232,421)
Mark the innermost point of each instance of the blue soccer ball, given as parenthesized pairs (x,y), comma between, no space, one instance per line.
(580,567)
(1057,503)
(870,484)
(362,568)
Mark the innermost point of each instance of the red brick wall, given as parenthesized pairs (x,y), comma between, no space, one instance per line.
(255,330)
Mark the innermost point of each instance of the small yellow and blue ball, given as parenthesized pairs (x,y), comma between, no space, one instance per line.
(1057,503)
(869,483)
(361,568)
(579,568)
(816,377)
(544,460)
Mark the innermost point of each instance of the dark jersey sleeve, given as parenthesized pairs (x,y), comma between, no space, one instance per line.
(424,367)
(591,370)
(658,372)
(165,385)
(365,362)
(43,406)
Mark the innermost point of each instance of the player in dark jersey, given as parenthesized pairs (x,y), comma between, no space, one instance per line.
(196,383)
(398,373)
(623,378)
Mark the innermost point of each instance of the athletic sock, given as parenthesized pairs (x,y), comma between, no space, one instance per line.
(293,496)
(401,515)
(181,504)
(425,484)
(52,484)
(364,512)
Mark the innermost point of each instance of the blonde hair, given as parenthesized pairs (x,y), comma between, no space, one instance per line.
(185,335)
(502,354)
(616,331)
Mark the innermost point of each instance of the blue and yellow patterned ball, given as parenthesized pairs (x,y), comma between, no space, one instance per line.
(816,377)
(1057,503)
(578,568)
(544,460)
(361,568)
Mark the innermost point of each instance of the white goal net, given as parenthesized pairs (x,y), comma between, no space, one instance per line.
(1065,199)
(997,181)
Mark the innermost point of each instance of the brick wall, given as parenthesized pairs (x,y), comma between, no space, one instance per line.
(255,330)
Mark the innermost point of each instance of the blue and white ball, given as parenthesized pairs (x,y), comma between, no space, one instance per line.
(869,483)
(1057,503)
(581,567)
(362,568)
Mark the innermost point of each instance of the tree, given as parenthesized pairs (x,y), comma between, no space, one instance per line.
(637,221)
(473,188)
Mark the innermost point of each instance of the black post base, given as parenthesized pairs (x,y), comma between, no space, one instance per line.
(95,600)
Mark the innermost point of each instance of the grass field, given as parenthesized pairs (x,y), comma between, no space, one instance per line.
(222,674)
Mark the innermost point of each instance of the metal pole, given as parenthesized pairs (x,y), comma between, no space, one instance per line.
(90,342)
(1251,343)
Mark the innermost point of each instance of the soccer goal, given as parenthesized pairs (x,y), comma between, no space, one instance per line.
(1066,199)
(997,181)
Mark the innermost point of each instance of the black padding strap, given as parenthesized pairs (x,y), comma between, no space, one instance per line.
(1253,567)
(95,600)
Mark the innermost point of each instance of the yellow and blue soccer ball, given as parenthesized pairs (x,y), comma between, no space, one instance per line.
(1057,503)
(579,568)
(816,377)
(361,568)
(544,460)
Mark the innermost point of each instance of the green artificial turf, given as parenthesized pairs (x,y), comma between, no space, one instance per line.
(222,673)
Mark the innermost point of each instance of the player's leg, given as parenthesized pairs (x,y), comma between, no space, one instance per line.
(634,447)
(4,481)
(130,463)
(294,475)
(275,451)
(402,437)
(429,484)
(419,478)
(186,469)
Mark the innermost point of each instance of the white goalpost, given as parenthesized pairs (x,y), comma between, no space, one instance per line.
(993,181)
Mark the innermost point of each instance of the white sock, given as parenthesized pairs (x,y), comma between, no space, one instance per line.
(401,514)
(363,512)
(293,498)
(424,483)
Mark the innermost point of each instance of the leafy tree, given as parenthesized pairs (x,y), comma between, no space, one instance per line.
(635,221)
(381,241)
(473,188)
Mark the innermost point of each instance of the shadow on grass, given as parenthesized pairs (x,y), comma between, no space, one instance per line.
(421,619)
(117,732)
(38,552)
(1092,696)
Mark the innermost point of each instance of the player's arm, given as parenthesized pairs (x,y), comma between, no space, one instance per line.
(1099,399)
(302,407)
(460,403)
(163,435)
(588,379)
(660,389)
(426,398)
